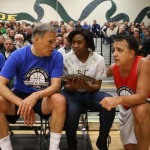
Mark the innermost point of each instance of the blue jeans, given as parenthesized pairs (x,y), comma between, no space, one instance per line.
(76,101)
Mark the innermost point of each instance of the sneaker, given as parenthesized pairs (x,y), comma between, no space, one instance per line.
(103,143)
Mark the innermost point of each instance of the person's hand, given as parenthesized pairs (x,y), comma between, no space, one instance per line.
(110,102)
(26,105)
(77,84)
(30,119)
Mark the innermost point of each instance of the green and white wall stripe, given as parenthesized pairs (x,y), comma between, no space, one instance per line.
(101,10)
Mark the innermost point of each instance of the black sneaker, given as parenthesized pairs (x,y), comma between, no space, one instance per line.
(103,143)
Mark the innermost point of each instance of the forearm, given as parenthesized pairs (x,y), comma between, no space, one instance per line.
(48,91)
(132,100)
(92,87)
(9,95)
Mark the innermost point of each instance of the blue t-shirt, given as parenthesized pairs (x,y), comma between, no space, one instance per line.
(32,73)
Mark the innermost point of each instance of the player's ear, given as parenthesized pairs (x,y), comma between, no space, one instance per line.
(132,53)
(36,38)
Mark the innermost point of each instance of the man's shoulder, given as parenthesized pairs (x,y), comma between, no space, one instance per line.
(22,50)
(56,55)
(21,53)
(56,52)
(144,61)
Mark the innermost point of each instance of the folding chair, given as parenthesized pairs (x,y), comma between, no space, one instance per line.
(85,127)
(39,128)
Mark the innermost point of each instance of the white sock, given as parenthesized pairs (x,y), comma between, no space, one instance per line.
(5,143)
(54,141)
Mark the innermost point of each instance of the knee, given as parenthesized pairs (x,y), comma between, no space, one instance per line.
(58,102)
(139,112)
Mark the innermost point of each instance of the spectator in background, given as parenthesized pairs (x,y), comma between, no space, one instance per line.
(7,33)
(11,34)
(2,29)
(62,24)
(104,29)
(18,27)
(51,23)
(23,29)
(122,30)
(28,34)
(86,26)
(2,48)
(67,46)
(95,29)
(145,50)
(57,26)
(63,30)
(9,47)
(71,23)
(139,40)
(131,30)
(19,41)
(59,41)
(146,35)
(69,28)
(142,33)
(78,25)
(111,32)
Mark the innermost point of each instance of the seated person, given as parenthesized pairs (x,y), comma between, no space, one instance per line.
(79,93)
(37,69)
(132,78)
(19,41)
(9,47)
(67,46)
(2,48)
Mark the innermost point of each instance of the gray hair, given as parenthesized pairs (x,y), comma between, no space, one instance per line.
(19,36)
(41,28)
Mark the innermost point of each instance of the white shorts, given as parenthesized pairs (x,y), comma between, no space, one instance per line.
(126,126)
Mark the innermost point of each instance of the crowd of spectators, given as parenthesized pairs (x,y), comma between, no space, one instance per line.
(21,33)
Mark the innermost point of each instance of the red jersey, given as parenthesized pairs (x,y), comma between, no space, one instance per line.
(126,86)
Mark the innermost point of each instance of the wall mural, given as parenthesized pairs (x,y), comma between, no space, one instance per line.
(145,12)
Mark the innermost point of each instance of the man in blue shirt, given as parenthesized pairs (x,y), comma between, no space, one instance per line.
(37,69)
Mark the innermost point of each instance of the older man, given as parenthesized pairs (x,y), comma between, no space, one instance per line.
(37,69)
(9,47)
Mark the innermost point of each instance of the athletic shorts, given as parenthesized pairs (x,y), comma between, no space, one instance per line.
(126,121)
(36,108)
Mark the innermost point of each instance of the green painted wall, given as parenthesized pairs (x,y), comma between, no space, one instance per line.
(101,10)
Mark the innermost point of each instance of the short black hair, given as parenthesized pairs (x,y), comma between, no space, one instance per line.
(132,42)
(87,36)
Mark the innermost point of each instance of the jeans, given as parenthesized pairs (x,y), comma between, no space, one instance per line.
(89,100)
